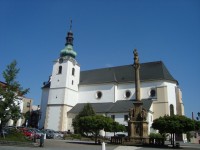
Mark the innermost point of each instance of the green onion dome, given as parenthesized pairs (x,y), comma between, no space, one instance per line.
(68,51)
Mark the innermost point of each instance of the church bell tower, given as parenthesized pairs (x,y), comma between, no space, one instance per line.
(63,93)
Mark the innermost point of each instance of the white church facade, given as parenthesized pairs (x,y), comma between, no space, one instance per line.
(111,91)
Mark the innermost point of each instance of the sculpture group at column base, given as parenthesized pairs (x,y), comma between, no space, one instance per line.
(138,133)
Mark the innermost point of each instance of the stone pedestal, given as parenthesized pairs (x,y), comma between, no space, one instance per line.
(138,132)
(138,126)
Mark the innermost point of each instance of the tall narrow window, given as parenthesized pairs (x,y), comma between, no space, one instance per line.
(171,107)
(73,71)
(60,70)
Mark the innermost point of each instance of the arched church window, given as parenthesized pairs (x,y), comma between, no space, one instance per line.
(73,71)
(60,70)
(171,108)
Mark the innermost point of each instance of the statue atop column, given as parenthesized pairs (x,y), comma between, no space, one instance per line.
(136,58)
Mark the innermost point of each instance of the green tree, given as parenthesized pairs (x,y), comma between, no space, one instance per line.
(9,108)
(86,111)
(175,124)
(116,127)
(197,125)
(93,124)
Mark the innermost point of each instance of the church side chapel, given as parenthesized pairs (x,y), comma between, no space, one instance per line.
(111,91)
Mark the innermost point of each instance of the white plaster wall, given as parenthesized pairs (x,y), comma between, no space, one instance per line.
(58,80)
(112,92)
(56,96)
(122,88)
(68,77)
(65,78)
(115,92)
(64,86)
(70,97)
(43,106)
(87,93)
(147,86)
(150,119)
(171,94)
(21,104)
(54,118)
(74,78)
(63,96)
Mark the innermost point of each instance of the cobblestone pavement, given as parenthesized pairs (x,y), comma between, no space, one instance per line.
(80,145)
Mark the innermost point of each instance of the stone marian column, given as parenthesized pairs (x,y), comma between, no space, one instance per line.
(137,75)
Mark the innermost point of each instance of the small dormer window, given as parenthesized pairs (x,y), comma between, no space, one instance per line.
(73,71)
(60,70)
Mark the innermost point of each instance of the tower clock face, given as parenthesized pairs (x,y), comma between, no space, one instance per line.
(61,60)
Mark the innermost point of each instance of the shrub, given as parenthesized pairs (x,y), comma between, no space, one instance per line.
(76,136)
(72,136)
(155,135)
(15,135)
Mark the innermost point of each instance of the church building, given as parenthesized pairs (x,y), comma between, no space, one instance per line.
(110,91)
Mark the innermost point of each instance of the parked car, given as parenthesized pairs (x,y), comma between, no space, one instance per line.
(27,132)
(37,133)
(58,135)
(3,132)
(9,130)
(50,134)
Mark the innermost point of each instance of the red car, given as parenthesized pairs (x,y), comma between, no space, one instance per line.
(27,132)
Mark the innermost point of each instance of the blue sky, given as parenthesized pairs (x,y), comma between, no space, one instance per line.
(105,34)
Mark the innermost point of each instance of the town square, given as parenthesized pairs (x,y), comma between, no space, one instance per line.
(99,74)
